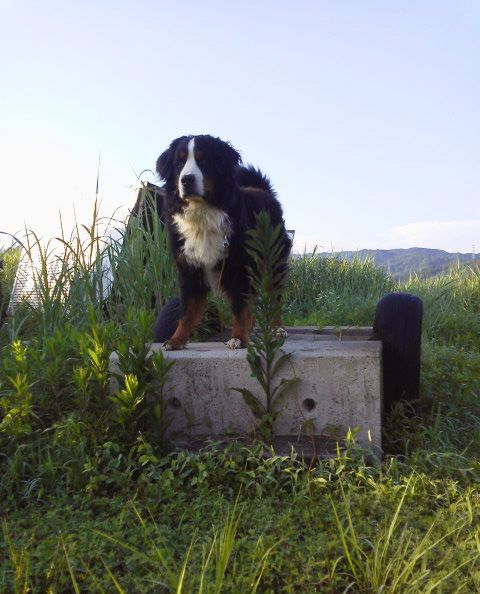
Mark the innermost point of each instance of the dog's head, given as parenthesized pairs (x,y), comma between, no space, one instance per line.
(199,168)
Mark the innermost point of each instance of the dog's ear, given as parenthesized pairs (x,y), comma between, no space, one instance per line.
(166,161)
(226,157)
(230,157)
(164,164)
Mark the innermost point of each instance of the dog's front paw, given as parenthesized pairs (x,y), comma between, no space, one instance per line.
(235,343)
(173,345)
(281,332)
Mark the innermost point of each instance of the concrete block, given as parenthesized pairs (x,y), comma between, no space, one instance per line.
(339,388)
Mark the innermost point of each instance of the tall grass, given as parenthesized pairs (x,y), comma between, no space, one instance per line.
(9,258)
(331,291)
(451,305)
(215,559)
(104,265)
(397,560)
(144,273)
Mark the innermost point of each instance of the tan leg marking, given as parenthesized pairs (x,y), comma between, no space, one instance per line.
(186,325)
(242,325)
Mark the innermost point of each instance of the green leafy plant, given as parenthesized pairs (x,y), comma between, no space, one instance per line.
(142,402)
(265,355)
(55,375)
(128,401)
(93,379)
(16,400)
(158,401)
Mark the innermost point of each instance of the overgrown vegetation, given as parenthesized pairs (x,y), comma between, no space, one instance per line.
(92,501)
(332,291)
(265,355)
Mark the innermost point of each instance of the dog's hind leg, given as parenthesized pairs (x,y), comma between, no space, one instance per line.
(242,325)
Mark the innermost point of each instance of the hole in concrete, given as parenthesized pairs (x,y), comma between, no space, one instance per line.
(175,403)
(308,404)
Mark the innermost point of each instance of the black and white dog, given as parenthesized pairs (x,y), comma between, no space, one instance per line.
(211,202)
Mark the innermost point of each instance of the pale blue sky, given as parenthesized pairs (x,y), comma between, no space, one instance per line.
(365,114)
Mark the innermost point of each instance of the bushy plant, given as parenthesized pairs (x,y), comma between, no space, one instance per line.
(264,354)
(56,390)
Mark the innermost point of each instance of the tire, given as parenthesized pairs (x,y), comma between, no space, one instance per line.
(167,321)
(398,324)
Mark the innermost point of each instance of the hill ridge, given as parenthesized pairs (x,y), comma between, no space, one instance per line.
(401,262)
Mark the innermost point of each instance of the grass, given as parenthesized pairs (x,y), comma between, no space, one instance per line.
(332,291)
(91,501)
(397,560)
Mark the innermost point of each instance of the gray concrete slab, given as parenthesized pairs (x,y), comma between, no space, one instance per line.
(339,389)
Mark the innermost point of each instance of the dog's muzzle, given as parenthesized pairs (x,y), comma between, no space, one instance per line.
(188,185)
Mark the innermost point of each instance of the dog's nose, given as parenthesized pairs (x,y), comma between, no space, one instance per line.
(188,180)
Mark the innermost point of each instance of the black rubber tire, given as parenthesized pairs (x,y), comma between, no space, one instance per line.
(398,324)
(167,320)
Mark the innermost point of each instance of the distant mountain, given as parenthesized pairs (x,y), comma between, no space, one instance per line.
(401,263)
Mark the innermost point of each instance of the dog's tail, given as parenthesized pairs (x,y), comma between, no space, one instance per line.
(251,177)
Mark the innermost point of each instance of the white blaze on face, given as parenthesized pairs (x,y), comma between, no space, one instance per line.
(191,168)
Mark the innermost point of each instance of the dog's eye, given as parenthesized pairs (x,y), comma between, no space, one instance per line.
(181,158)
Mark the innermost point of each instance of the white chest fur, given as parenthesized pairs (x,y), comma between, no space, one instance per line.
(203,228)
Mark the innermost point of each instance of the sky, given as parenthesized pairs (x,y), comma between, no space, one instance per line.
(364,114)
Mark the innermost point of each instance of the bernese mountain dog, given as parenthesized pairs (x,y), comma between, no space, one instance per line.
(210,204)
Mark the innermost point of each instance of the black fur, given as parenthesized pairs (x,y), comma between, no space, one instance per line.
(251,177)
(167,320)
(241,192)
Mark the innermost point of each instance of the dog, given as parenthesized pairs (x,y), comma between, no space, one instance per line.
(211,201)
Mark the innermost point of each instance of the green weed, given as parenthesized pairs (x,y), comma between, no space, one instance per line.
(265,355)
(397,560)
